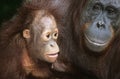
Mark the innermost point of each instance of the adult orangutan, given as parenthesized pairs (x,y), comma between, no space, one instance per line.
(93,40)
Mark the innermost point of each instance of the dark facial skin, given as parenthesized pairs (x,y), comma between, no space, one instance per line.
(102,24)
(95,31)
(98,28)
(42,36)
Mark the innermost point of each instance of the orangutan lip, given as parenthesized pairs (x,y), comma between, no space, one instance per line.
(93,42)
(53,55)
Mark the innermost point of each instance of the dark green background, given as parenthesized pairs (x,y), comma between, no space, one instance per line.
(8,8)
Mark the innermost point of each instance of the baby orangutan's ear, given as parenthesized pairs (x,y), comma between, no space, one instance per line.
(26,33)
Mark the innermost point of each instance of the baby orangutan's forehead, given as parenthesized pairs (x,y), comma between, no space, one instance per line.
(43,19)
(48,22)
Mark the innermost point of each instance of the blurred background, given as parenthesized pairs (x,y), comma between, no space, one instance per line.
(8,8)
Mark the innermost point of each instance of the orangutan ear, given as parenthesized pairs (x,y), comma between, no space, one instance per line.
(26,33)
